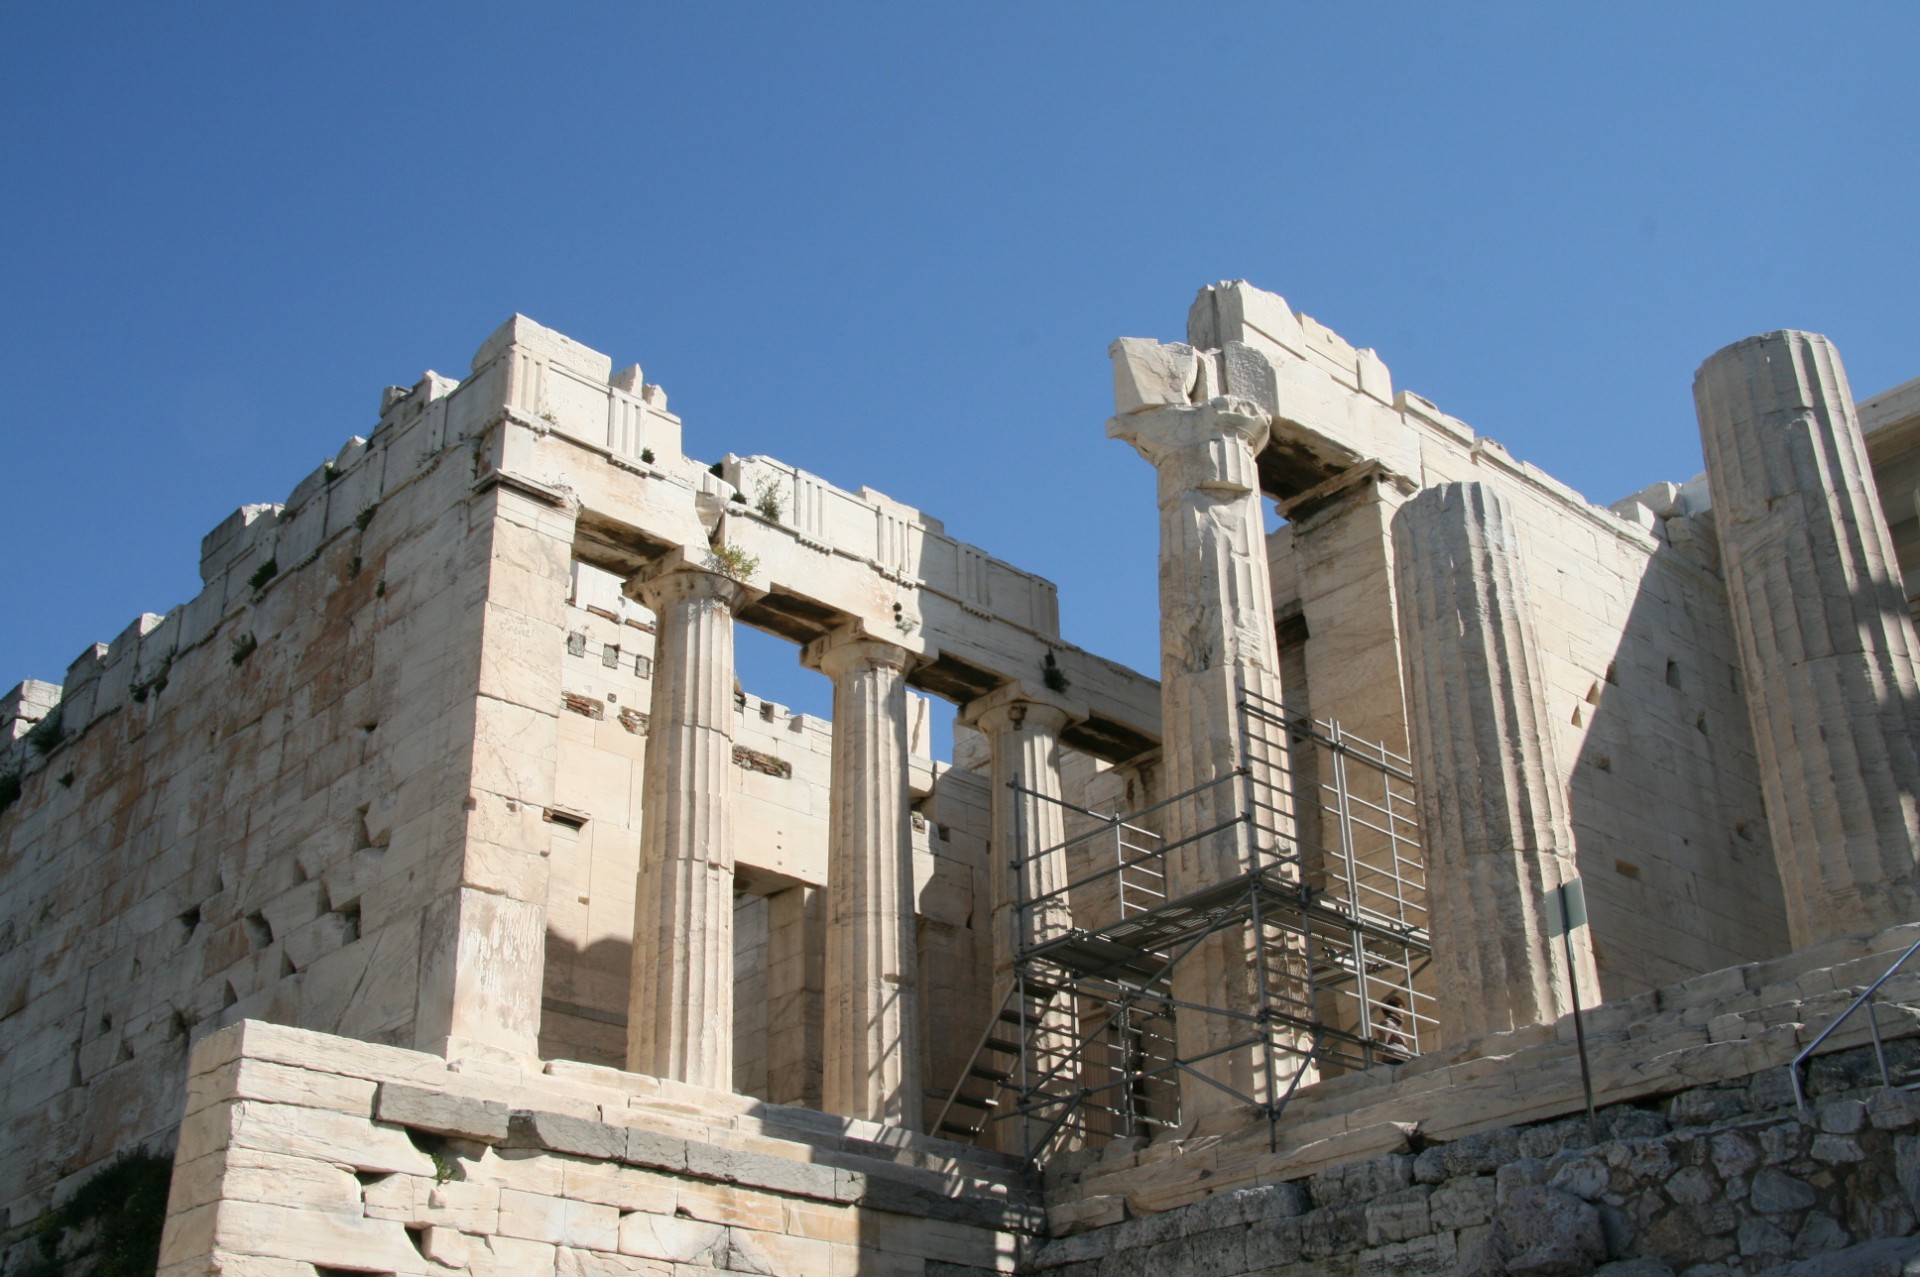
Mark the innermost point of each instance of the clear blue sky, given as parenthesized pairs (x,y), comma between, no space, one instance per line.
(890,243)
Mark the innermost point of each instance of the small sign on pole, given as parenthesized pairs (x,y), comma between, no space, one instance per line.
(1566,908)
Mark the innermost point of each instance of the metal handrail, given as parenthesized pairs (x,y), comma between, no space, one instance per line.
(1879,1047)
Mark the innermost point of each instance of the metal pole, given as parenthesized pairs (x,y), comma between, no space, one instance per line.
(1579,1028)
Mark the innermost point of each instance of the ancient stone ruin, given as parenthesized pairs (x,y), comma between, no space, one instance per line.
(427,896)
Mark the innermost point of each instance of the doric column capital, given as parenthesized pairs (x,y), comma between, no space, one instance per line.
(850,648)
(675,578)
(1018,707)
(1210,445)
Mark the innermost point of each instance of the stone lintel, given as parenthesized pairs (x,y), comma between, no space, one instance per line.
(1355,482)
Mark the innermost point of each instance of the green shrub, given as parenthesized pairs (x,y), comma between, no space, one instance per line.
(111,1226)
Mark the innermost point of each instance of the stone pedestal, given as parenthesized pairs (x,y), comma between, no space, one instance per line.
(1217,645)
(680,1008)
(1826,640)
(1492,796)
(872,1066)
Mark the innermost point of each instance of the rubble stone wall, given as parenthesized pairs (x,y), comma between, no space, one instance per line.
(1713,1181)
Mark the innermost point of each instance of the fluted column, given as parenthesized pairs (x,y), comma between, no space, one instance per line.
(680,1007)
(1826,640)
(1492,797)
(1216,642)
(872,1067)
(1023,727)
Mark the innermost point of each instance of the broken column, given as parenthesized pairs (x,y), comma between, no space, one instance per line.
(1492,797)
(872,1065)
(1028,899)
(1826,640)
(680,1007)
(1217,645)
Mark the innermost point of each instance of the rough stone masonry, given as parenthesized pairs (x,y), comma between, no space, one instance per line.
(431,893)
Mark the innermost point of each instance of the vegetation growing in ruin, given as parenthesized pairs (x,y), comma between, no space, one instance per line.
(9,789)
(243,647)
(330,471)
(361,520)
(1054,677)
(110,1227)
(766,499)
(158,683)
(263,574)
(646,455)
(46,735)
(732,561)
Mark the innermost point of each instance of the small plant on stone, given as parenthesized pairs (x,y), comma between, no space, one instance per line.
(244,646)
(361,520)
(646,455)
(741,497)
(732,561)
(1054,677)
(9,789)
(380,588)
(263,574)
(330,472)
(443,1167)
(46,735)
(353,567)
(766,499)
(65,781)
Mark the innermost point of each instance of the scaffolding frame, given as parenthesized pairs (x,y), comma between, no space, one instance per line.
(1330,902)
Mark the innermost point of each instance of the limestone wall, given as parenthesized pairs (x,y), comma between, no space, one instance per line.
(247,811)
(302,1151)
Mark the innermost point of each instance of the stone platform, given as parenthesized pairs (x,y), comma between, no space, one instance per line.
(304,1154)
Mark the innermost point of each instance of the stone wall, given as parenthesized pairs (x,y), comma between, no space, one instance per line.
(246,811)
(1710,1182)
(1483,1162)
(302,1152)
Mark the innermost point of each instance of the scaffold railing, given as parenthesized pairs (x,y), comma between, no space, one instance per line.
(1325,907)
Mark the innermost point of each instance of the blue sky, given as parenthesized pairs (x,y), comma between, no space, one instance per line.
(890,243)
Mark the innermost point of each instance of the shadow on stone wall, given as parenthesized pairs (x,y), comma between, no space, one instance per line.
(1664,792)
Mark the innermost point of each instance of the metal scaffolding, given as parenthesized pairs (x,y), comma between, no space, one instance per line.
(1326,910)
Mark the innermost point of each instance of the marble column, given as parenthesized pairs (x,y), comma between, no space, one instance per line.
(1023,727)
(872,1067)
(1826,640)
(1493,805)
(680,1007)
(1217,643)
